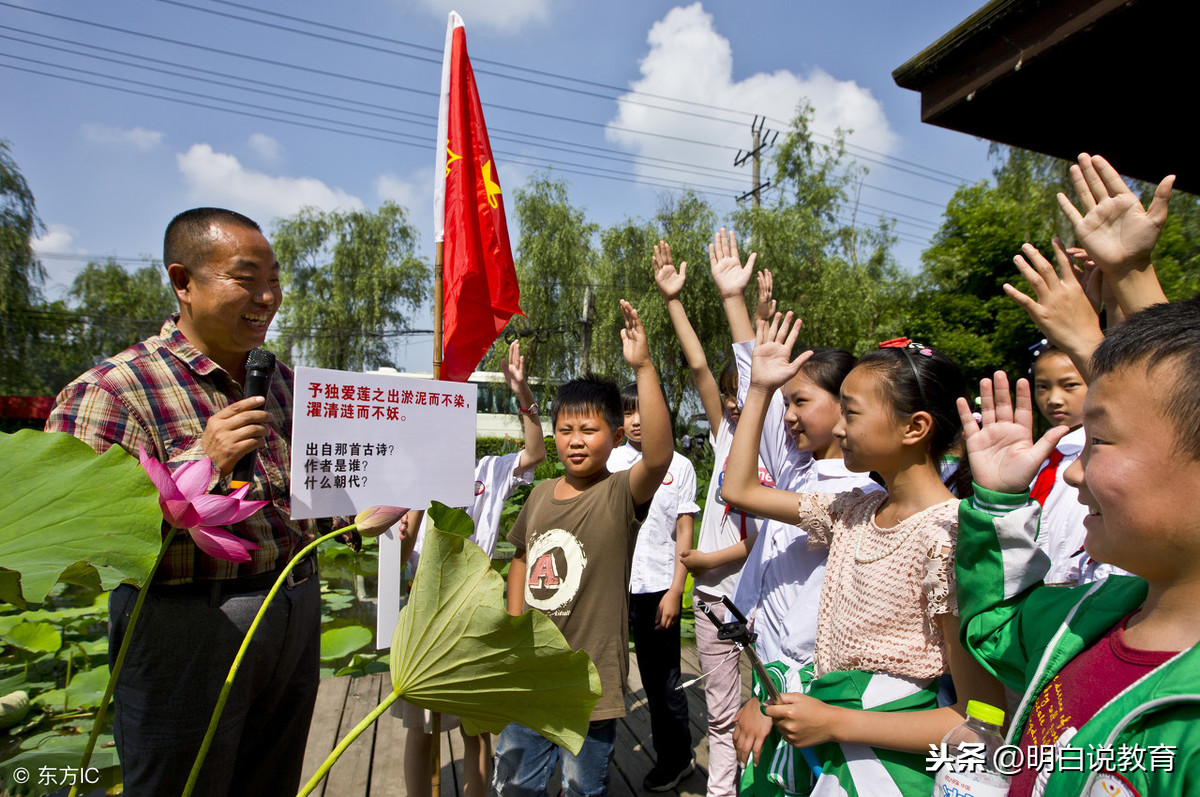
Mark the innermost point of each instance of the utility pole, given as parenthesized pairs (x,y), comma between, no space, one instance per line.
(760,140)
(588,320)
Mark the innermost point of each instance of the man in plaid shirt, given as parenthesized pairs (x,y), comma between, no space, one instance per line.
(179,394)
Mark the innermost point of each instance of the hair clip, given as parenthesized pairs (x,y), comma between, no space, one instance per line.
(1037,349)
(907,345)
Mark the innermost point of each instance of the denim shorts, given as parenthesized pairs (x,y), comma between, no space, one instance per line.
(525,761)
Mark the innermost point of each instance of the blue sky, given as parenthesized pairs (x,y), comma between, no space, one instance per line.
(265,107)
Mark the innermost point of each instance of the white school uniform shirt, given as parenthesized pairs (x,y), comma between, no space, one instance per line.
(1061,532)
(495,480)
(789,468)
(722,525)
(654,555)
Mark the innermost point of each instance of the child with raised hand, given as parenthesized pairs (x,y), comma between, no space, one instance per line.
(781,580)
(726,534)
(1111,672)
(656,601)
(495,479)
(886,627)
(575,539)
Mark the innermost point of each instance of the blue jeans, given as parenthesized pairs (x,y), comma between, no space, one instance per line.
(525,761)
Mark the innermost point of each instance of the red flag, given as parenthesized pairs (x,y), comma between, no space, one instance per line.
(480,281)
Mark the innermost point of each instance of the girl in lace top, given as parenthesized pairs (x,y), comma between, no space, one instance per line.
(886,626)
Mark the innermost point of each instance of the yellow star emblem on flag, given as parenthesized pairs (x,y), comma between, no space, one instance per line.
(490,185)
(450,157)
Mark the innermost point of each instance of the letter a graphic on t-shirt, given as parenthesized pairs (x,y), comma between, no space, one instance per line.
(543,575)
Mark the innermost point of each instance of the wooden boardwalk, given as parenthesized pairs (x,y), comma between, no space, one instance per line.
(374,765)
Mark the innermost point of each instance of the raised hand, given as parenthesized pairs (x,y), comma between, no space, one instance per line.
(1001,450)
(1114,228)
(634,345)
(1063,310)
(513,367)
(772,365)
(669,281)
(728,272)
(766,302)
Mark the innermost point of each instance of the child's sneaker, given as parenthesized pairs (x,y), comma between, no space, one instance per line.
(661,779)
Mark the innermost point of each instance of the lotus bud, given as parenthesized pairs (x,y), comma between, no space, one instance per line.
(377,519)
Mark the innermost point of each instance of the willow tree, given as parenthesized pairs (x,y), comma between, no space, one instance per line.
(21,277)
(350,281)
(556,268)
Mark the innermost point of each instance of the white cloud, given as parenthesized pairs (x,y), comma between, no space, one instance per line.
(507,17)
(216,178)
(265,147)
(137,137)
(59,239)
(690,60)
(409,194)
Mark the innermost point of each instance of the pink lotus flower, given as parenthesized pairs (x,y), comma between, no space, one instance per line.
(185,504)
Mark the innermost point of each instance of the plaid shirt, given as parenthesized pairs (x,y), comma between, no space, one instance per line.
(160,394)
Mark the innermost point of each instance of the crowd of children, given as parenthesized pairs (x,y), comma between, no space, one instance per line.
(898,554)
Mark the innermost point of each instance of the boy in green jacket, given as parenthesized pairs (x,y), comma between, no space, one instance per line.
(1110,671)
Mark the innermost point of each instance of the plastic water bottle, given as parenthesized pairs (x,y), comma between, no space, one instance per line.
(979,737)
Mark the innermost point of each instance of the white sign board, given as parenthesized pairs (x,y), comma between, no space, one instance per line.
(363,440)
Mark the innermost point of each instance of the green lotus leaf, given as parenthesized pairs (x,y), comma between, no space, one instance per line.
(453,521)
(457,650)
(85,691)
(72,515)
(35,637)
(339,642)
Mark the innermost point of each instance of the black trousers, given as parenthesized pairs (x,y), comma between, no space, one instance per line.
(177,662)
(658,663)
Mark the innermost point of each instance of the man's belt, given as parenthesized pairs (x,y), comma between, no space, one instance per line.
(303,571)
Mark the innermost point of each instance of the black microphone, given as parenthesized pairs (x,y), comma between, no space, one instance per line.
(260,364)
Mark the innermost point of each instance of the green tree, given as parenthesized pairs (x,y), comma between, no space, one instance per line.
(21,277)
(116,308)
(1176,257)
(106,310)
(687,223)
(962,308)
(556,268)
(348,280)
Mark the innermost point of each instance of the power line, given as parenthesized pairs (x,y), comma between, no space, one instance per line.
(647,163)
(868,155)
(393,86)
(380,134)
(707,116)
(426,121)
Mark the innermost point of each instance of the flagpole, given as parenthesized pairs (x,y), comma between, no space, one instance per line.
(439,200)
(437,310)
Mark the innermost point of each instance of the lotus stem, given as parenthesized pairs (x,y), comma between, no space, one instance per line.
(367,721)
(120,660)
(211,733)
